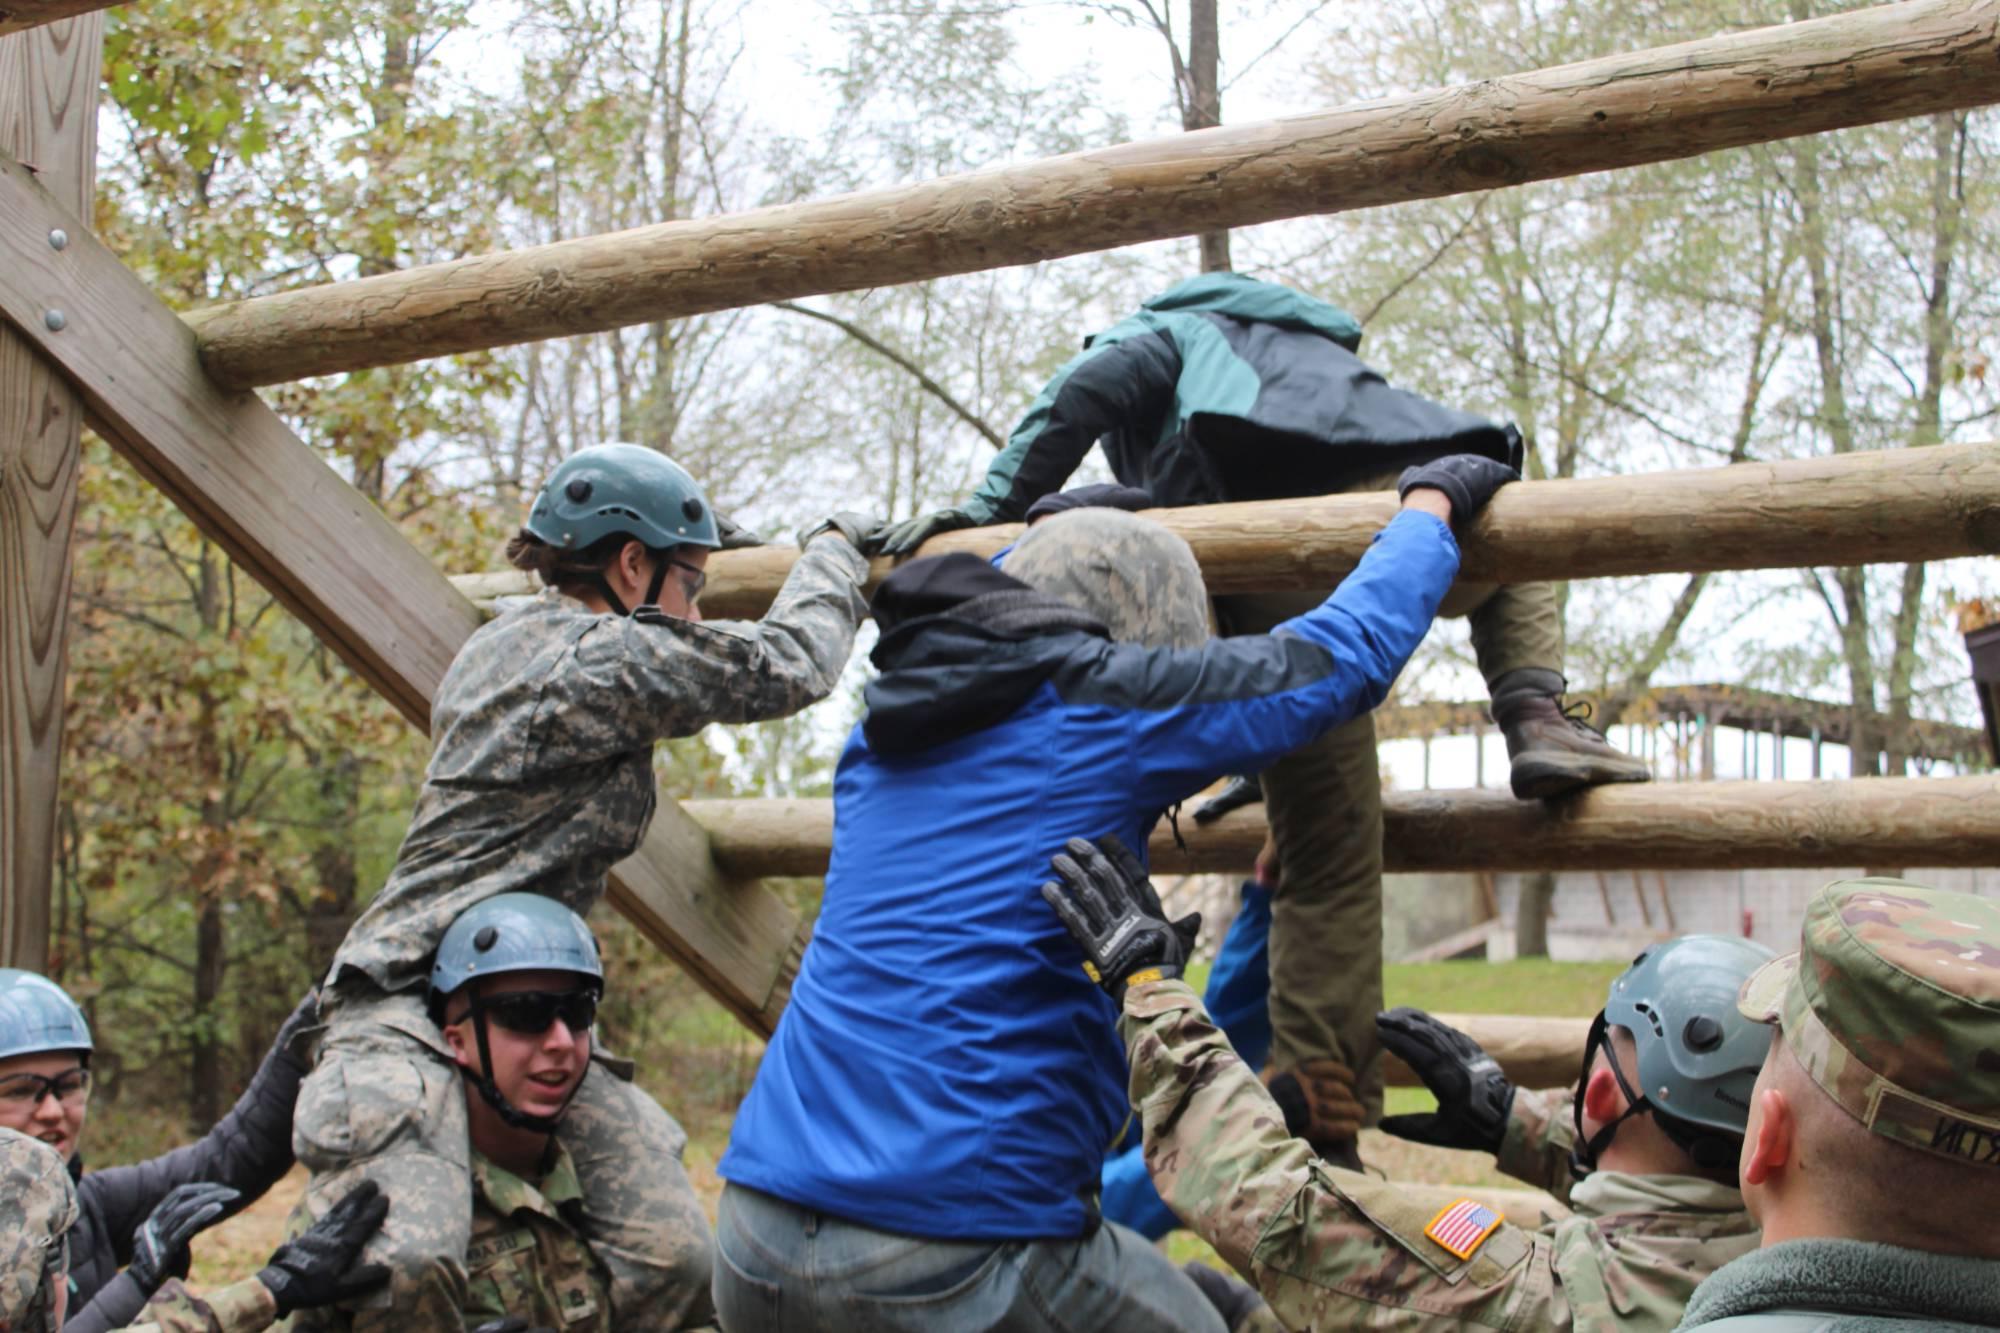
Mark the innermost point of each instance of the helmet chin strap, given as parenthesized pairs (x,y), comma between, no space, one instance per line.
(617,603)
(489,1091)
(1709,1149)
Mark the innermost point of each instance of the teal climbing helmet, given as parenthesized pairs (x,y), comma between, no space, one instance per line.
(608,489)
(514,932)
(36,1016)
(1698,1056)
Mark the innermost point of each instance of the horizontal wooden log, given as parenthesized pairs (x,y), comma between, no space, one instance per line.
(20,15)
(1853,509)
(1535,1052)
(331,557)
(1619,111)
(1929,822)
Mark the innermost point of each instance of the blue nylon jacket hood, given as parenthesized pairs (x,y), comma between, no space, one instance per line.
(944,1068)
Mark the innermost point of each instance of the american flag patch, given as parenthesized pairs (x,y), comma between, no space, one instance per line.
(1463,1227)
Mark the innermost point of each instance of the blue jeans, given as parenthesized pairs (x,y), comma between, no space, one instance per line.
(781,1268)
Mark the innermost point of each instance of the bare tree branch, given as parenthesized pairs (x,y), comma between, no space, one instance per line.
(897,359)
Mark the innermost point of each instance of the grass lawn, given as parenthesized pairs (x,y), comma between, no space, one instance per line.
(698,1063)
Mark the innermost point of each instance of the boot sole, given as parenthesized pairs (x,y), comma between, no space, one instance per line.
(1534,778)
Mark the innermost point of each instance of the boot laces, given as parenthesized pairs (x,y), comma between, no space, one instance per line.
(1574,712)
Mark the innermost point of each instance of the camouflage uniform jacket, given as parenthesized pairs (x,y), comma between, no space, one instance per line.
(242,1307)
(1333,1249)
(525,1258)
(541,778)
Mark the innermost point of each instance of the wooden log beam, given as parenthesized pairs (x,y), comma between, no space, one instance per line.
(1535,1052)
(331,557)
(1854,509)
(48,115)
(1619,111)
(21,15)
(1927,822)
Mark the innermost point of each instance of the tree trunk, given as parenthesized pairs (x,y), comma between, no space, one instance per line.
(1531,918)
(1204,107)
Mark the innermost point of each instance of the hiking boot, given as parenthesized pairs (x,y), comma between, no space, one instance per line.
(1554,751)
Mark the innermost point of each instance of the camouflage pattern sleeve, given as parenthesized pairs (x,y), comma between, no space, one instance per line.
(1329,1249)
(245,1307)
(672,677)
(1541,1133)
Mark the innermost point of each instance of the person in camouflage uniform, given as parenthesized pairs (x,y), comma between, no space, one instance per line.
(1333,1249)
(37,1209)
(1872,1157)
(515,988)
(540,780)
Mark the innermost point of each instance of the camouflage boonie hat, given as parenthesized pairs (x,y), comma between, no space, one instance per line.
(1892,1004)
(1129,572)
(37,1209)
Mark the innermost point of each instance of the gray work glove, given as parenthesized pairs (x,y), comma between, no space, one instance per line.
(858,530)
(1106,902)
(160,1246)
(318,1266)
(1467,480)
(1474,1097)
(905,537)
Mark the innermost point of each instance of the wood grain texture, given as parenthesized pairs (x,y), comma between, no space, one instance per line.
(1620,111)
(330,556)
(48,116)
(21,15)
(1928,822)
(1865,508)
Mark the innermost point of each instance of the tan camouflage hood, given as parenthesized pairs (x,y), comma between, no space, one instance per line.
(1129,572)
(1892,1004)
(37,1209)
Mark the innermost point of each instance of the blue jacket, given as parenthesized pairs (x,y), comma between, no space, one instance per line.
(944,1068)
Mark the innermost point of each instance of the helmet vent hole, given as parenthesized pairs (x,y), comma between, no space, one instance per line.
(1647,1012)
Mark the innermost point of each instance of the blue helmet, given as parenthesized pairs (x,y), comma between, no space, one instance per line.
(513,932)
(622,488)
(36,1015)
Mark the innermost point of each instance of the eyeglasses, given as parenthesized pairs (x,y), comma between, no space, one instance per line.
(697,580)
(71,1088)
(532,1012)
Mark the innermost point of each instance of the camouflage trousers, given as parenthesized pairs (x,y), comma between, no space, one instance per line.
(384,1102)
(1324,802)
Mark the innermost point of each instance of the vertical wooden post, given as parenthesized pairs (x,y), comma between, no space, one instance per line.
(48,120)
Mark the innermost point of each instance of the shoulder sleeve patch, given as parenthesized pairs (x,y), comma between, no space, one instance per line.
(1462,1226)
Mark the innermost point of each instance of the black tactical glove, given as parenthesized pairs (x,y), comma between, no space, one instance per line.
(1468,481)
(1240,792)
(859,530)
(513,1323)
(734,535)
(1474,1097)
(1108,904)
(905,537)
(317,1267)
(160,1246)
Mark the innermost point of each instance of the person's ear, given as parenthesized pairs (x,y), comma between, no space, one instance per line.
(1603,1100)
(1767,1148)
(632,562)
(458,1037)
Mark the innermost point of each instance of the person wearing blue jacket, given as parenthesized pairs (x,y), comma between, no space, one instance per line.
(922,1146)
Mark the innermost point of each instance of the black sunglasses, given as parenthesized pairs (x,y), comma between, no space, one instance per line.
(70,1086)
(532,1012)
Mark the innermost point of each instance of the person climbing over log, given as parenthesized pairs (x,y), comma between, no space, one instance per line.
(1644,1149)
(137,1218)
(1227,388)
(39,1211)
(922,1146)
(540,779)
